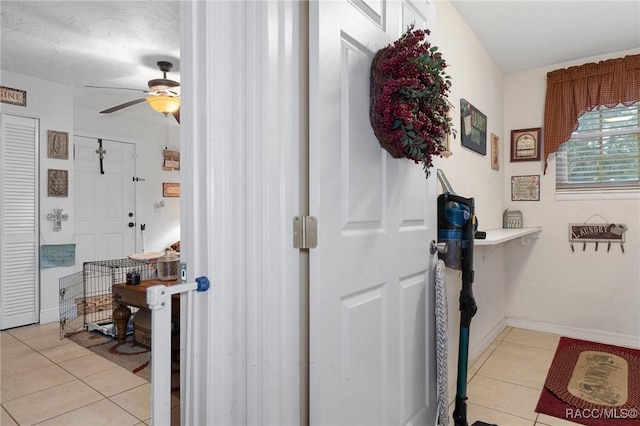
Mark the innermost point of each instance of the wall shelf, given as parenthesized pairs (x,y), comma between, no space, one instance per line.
(502,235)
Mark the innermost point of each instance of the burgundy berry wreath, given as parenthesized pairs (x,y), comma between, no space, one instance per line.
(409,109)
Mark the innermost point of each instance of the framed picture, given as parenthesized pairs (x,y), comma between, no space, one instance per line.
(495,152)
(170,189)
(446,153)
(525,144)
(58,145)
(57,183)
(12,96)
(171,160)
(525,188)
(473,125)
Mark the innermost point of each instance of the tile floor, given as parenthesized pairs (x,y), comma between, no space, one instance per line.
(500,390)
(46,381)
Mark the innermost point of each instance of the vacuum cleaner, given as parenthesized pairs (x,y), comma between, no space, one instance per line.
(457,226)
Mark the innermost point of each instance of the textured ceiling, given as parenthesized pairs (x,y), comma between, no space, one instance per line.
(90,42)
(103,43)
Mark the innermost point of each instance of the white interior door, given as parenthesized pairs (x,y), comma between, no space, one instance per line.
(19,269)
(371,283)
(105,203)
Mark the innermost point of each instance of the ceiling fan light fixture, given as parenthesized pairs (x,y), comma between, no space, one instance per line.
(164,104)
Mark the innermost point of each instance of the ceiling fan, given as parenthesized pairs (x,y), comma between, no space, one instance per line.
(163,94)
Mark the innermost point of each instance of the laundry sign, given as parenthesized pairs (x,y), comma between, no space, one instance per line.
(597,233)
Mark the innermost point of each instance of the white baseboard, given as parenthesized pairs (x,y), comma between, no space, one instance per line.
(49,315)
(577,333)
(483,345)
(474,353)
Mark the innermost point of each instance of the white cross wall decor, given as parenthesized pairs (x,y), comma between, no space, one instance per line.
(57,217)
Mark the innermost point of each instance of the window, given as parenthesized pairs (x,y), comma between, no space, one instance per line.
(603,153)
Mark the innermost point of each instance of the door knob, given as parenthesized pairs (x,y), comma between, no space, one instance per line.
(131,224)
(440,248)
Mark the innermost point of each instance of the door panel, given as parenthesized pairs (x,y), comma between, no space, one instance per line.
(19,227)
(370,311)
(104,201)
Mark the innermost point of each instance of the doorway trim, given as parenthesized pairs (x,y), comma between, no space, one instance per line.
(240,127)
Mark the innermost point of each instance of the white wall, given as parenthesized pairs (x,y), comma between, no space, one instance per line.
(585,294)
(53,105)
(541,285)
(476,78)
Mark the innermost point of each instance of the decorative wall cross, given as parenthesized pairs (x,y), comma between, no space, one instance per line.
(57,217)
(101,152)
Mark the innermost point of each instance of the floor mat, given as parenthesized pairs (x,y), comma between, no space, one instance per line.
(128,355)
(593,384)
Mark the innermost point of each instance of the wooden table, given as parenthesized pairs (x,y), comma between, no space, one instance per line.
(125,295)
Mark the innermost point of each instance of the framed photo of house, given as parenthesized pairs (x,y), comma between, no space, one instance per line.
(525,144)
(58,145)
(170,189)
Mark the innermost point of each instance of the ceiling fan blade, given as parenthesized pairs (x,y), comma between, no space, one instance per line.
(118,88)
(121,106)
(176,115)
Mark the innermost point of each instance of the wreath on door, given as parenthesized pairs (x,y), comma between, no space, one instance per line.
(409,108)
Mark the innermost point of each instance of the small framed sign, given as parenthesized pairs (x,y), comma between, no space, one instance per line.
(56,255)
(525,144)
(171,160)
(170,189)
(12,96)
(525,188)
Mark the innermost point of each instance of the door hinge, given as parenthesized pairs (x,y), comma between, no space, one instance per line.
(138,179)
(305,232)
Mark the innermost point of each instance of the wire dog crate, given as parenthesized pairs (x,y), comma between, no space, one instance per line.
(85,297)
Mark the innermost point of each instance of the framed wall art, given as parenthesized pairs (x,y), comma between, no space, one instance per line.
(525,188)
(495,152)
(57,183)
(58,145)
(170,189)
(171,160)
(12,96)
(525,144)
(473,124)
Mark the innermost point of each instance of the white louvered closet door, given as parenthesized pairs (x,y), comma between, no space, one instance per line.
(19,277)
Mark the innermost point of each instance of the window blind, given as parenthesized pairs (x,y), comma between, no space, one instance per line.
(603,152)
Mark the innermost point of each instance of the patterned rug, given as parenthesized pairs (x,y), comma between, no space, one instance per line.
(593,384)
(128,355)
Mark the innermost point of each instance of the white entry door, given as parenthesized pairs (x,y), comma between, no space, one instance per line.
(105,203)
(371,304)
